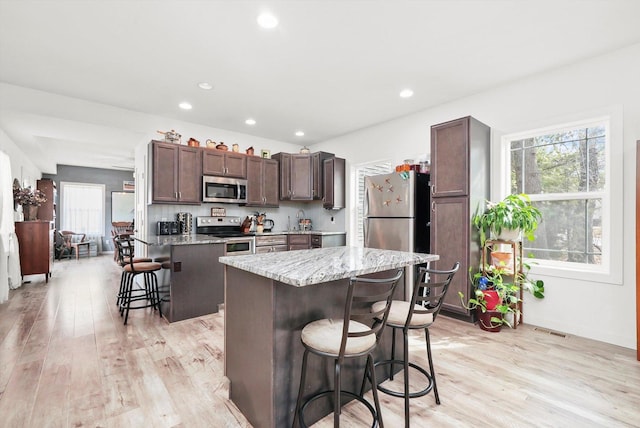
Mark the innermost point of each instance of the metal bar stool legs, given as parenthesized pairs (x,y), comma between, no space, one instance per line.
(419,314)
(355,335)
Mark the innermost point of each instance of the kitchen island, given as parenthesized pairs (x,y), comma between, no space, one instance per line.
(269,298)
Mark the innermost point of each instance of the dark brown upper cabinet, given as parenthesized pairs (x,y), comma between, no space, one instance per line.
(177,173)
(226,164)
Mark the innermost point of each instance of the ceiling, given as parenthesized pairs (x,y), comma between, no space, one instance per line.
(102,71)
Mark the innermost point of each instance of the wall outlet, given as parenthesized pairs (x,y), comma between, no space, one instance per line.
(333,220)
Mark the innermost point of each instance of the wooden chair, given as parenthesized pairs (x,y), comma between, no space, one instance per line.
(76,241)
(120,229)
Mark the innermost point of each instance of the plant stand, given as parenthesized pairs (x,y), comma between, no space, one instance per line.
(515,270)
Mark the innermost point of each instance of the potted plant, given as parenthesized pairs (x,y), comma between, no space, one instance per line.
(30,199)
(493,298)
(514,212)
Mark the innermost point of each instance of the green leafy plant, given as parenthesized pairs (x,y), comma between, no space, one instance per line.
(492,279)
(513,212)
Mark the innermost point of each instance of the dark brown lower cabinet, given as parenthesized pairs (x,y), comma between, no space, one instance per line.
(35,239)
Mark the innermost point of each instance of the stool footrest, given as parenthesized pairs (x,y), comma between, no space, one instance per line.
(415,394)
(330,393)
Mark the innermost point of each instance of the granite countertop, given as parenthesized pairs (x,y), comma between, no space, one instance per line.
(301,232)
(179,240)
(306,267)
(206,239)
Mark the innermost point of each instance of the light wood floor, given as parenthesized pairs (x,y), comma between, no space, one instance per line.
(66,360)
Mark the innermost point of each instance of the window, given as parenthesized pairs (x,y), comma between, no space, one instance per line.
(566,170)
(82,208)
(362,171)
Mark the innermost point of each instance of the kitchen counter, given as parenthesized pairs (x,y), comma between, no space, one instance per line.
(301,232)
(179,240)
(306,267)
(269,298)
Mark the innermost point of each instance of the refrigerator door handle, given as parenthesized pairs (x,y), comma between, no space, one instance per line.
(365,225)
(366,202)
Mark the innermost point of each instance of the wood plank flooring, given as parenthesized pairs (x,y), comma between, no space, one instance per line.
(66,360)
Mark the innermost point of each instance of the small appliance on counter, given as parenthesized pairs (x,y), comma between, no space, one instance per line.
(186,223)
(167,228)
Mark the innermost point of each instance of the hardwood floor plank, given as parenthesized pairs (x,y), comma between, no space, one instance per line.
(67,360)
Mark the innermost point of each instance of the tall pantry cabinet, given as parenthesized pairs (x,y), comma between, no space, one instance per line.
(460,156)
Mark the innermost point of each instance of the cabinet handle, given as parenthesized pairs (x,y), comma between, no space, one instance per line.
(179,195)
(176,195)
(433,206)
(433,189)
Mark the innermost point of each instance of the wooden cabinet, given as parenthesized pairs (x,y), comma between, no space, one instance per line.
(324,241)
(177,172)
(317,173)
(262,182)
(221,163)
(271,243)
(299,242)
(334,184)
(47,210)
(294,181)
(459,186)
(35,239)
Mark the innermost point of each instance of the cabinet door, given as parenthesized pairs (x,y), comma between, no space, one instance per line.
(270,183)
(212,162)
(450,229)
(317,180)
(334,184)
(284,160)
(165,172)
(254,181)
(236,165)
(301,177)
(189,175)
(34,247)
(450,158)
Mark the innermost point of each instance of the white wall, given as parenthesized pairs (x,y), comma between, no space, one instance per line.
(600,311)
(21,167)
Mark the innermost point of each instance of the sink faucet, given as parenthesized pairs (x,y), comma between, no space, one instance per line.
(298,214)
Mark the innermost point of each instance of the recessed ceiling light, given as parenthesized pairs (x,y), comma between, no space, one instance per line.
(299,134)
(185,106)
(267,20)
(406,93)
(205,85)
(250,122)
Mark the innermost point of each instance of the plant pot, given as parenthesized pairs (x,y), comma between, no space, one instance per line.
(502,259)
(484,320)
(492,298)
(508,235)
(30,212)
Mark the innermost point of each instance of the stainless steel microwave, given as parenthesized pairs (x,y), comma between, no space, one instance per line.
(223,189)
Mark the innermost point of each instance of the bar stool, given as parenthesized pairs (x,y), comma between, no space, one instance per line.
(128,292)
(125,255)
(341,340)
(427,297)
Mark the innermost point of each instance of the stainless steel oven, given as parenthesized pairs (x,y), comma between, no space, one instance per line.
(239,246)
(236,243)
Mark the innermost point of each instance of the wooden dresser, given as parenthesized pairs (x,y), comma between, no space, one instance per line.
(36,245)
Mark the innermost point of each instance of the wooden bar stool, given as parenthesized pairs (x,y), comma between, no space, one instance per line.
(340,340)
(427,297)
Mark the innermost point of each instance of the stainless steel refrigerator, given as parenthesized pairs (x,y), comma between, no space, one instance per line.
(396,215)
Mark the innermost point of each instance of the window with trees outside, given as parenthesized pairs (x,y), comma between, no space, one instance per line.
(566,172)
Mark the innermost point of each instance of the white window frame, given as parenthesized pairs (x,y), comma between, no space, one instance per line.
(64,222)
(384,166)
(611,269)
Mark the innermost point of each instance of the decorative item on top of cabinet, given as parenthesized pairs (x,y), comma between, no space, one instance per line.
(171,136)
(224,164)
(459,185)
(262,175)
(334,184)
(177,172)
